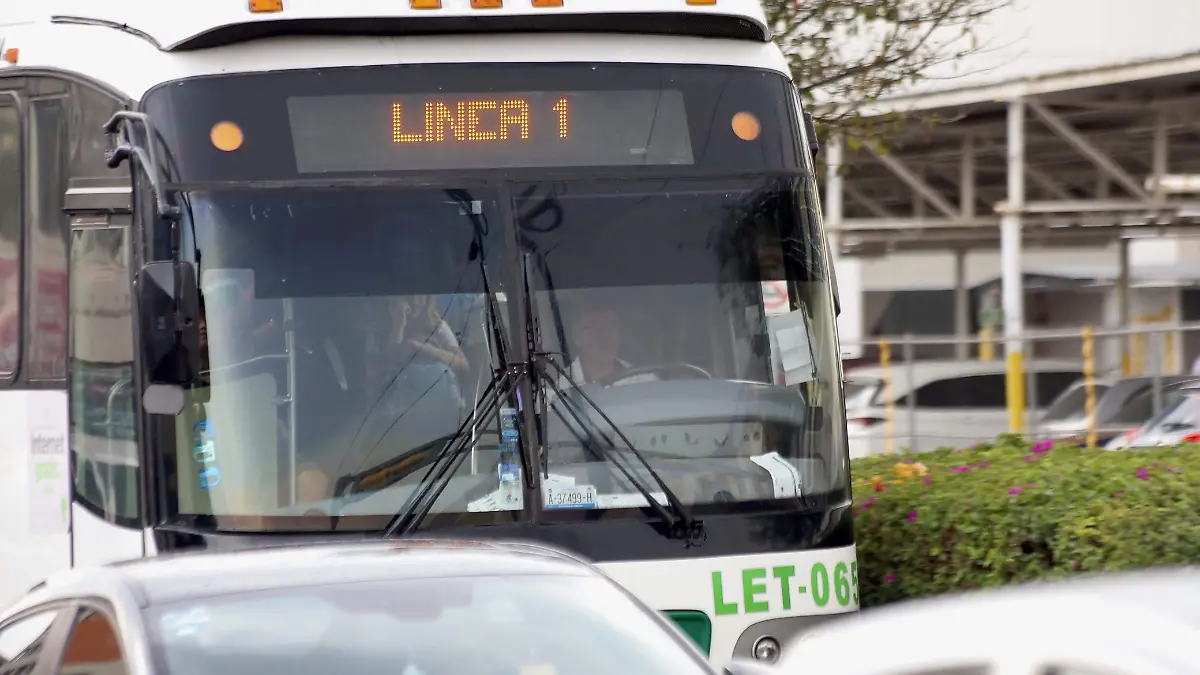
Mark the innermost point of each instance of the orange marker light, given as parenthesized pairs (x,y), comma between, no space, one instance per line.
(12,54)
(226,136)
(701,2)
(746,126)
(547,3)
(487,4)
(259,6)
(425,4)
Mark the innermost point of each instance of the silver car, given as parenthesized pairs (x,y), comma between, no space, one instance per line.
(1142,623)
(1179,421)
(404,607)
(1121,405)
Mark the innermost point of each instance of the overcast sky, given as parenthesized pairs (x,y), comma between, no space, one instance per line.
(1045,36)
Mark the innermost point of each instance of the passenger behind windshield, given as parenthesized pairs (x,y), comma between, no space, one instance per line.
(414,336)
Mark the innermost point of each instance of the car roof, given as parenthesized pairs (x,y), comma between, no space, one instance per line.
(982,623)
(1120,387)
(171,578)
(927,370)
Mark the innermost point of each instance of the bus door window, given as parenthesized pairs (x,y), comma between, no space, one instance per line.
(10,234)
(246,370)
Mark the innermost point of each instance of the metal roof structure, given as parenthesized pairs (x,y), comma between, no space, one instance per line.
(1089,145)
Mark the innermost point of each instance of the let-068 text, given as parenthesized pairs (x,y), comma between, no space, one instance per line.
(784,587)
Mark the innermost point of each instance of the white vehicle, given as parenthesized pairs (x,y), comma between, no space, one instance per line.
(958,403)
(279,609)
(275,209)
(1076,631)
(1178,423)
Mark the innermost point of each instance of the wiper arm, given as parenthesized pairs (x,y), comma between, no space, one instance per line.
(680,523)
(442,469)
(479,222)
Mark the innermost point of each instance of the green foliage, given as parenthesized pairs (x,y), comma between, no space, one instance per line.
(952,520)
(852,52)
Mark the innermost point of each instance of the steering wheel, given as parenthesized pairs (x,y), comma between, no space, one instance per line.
(670,371)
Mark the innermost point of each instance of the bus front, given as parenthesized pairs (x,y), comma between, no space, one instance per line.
(567,288)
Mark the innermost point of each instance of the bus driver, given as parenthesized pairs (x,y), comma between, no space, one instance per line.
(595,330)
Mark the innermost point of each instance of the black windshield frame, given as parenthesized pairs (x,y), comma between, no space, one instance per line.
(185,111)
(190,170)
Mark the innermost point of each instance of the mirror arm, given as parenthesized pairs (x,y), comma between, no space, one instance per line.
(120,123)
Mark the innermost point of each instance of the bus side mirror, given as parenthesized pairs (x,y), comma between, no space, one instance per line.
(169,310)
(810,130)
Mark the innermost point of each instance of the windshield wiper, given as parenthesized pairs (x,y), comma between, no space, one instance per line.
(503,384)
(442,469)
(680,523)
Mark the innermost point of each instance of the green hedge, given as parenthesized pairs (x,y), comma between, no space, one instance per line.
(952,520)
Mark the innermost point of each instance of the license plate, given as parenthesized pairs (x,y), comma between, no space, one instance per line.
(573,497)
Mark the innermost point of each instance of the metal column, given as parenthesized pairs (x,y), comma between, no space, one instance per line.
(834,194)
(1124,313)
(1013,282)
(962,298)
(962,306)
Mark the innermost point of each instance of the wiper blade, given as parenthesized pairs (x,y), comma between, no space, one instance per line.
(481,227)
(442,469)
(680,523)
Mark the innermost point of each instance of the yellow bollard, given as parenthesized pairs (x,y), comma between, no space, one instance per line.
(1138,358)
(1014,386)
(1089,374)
(987,348)
(889,406)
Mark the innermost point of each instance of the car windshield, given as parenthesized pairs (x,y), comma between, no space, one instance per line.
(1135,409)
(522,625)
(1180,414)
(1072,403)
(860,393)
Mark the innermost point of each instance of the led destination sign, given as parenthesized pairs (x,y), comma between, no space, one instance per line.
(479,131)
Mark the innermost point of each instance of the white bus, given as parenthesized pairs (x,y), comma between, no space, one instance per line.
(539,269)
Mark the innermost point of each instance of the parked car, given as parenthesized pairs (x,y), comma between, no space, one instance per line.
(1179,421)
(1121,405)
(1138,623)
(407,607)
(956,402)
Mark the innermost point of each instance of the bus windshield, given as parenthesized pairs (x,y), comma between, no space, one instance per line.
(348,333)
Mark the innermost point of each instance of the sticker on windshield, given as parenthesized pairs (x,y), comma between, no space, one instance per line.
(204,449)
(570,497)
(210,478)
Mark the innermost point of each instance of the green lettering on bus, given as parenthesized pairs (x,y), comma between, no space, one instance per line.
(720,607)
(754,584)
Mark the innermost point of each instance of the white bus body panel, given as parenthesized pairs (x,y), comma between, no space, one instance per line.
(105,54)
(173,23)
(737,592)
(36,531)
